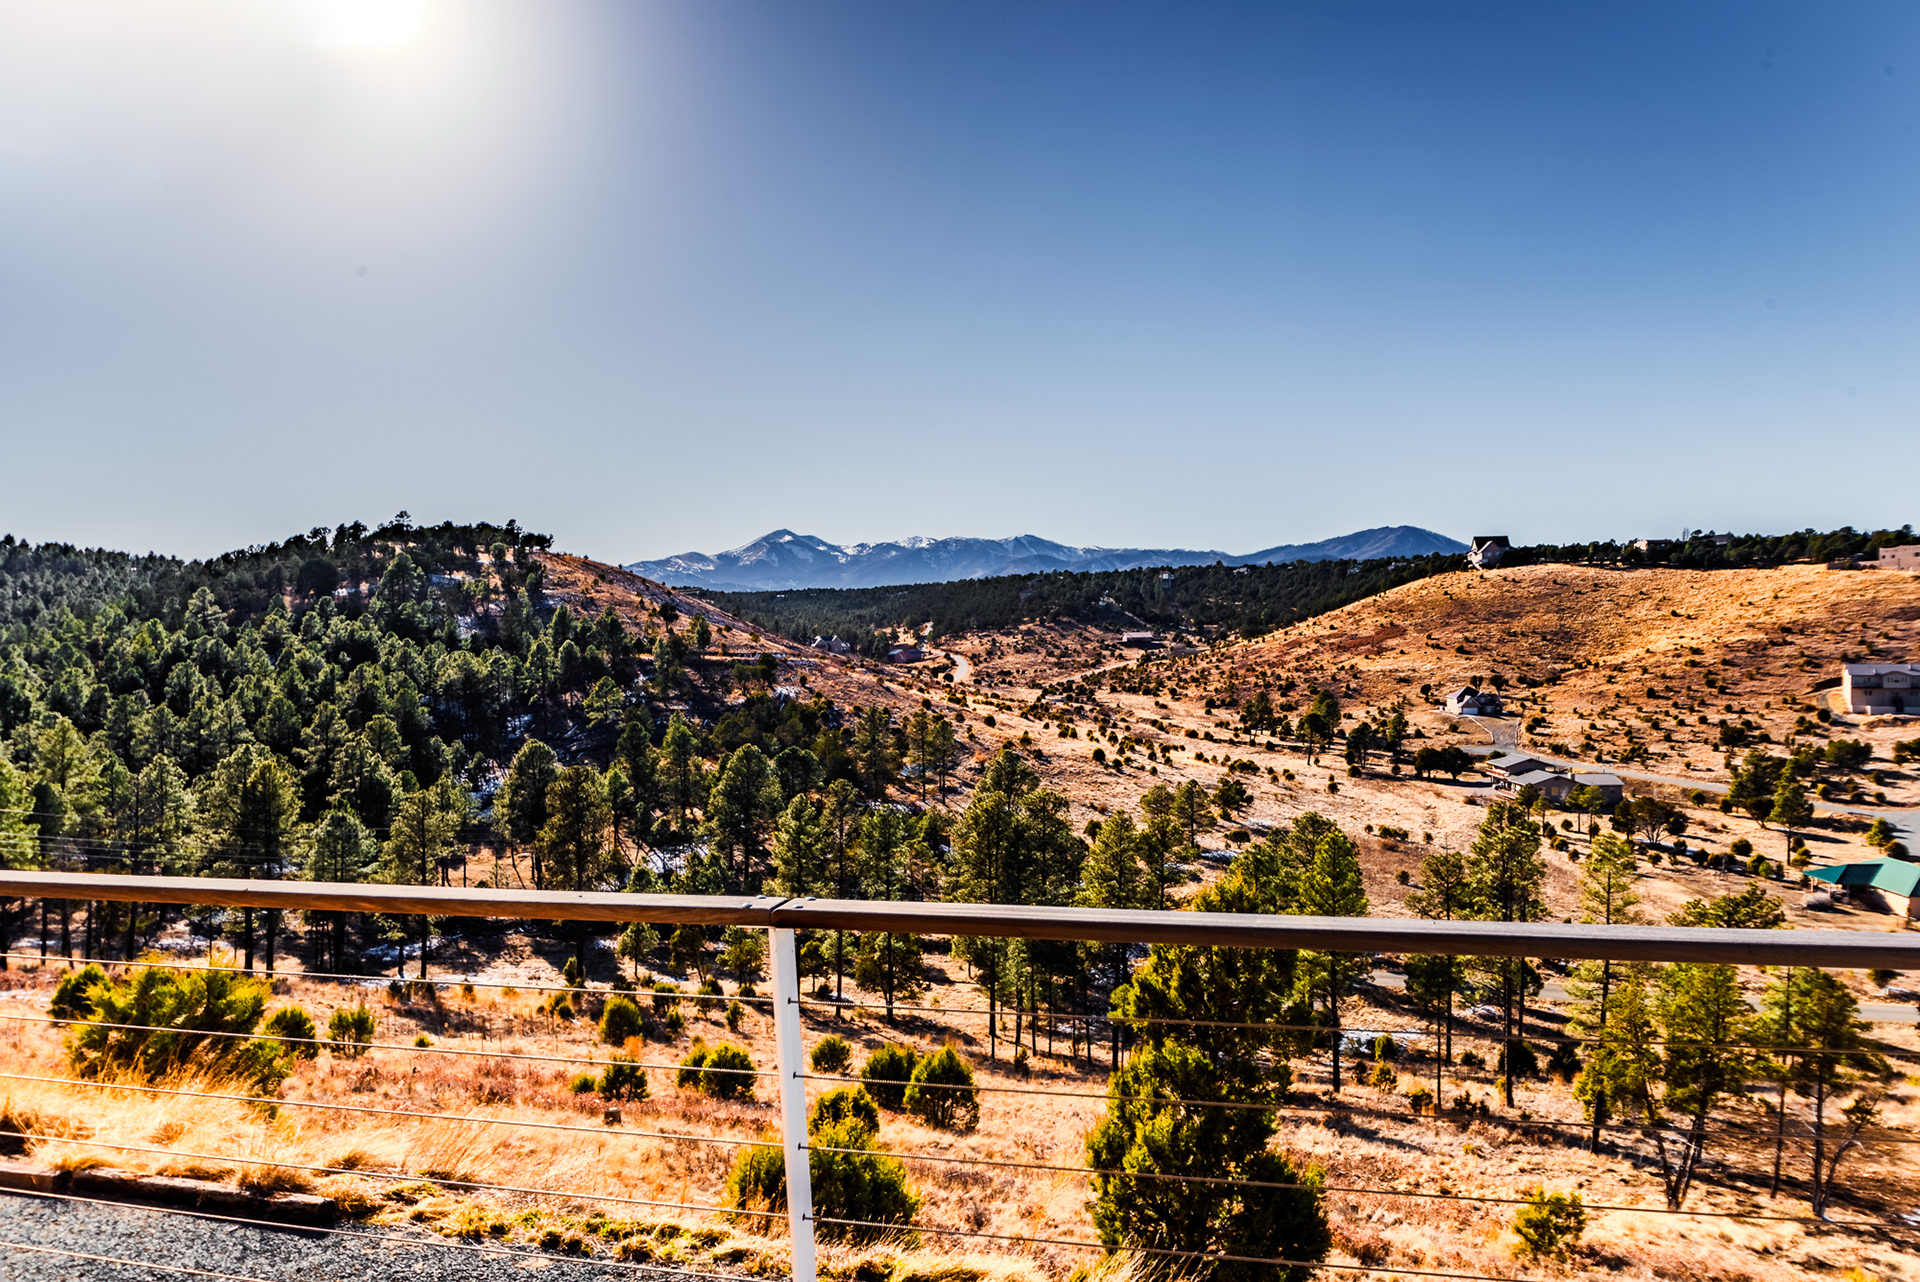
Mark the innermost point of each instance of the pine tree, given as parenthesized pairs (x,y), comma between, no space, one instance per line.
(1331,887)
(1505,874)
(1823,1054)
(423,833)
(741,809)
(1607,898)
(1158,1122)
(1790,807)
(1434,978)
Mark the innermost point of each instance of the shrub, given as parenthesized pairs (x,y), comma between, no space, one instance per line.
(1564,1061)
(1472,1059)
(1419,1098)
(942,1093)
(675,1022)
(350,1030)
(73,998)
(558,1005)
(734,1011)
(623,1079)
(1383,1078)
(723,1071)
(662,1002)
(295,1029)
(423,1041)
(886,1074)
(581,1083)
(846,1186)
(619,1020)
(1742,849)
(1385,1048)
(832,1055)
(570,973)
(710,994)
(848,1103)
(1550,1224)
(176,1018)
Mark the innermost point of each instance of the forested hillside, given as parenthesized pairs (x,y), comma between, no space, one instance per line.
(1249,599)
(352,704)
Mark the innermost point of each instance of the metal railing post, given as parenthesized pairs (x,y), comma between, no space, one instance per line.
(790,1056)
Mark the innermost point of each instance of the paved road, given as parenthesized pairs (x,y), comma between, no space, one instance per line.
(158,1237)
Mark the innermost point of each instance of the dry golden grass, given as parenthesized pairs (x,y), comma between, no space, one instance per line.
(397,1167)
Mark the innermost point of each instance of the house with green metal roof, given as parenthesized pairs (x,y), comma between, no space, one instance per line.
(1889,885)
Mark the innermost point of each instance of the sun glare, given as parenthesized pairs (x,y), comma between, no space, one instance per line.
(366,24)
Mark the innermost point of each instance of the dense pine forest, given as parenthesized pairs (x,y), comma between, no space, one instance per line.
(364,704)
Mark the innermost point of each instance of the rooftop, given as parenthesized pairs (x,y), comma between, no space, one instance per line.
(1896,876)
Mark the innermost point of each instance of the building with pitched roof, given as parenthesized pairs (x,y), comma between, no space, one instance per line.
(1886,885)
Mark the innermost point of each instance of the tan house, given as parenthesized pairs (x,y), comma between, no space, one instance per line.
(1881,687)
(1906,558)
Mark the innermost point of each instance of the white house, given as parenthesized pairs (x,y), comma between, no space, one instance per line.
(1881,687)
(1469,702)
(1486,550)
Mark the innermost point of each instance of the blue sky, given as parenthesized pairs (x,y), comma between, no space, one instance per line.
(663,276)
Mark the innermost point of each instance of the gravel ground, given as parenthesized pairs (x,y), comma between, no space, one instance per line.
(160,1237)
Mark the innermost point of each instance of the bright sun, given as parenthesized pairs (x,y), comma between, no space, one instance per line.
(366,24)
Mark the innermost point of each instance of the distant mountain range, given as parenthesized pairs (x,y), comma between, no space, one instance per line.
(784,560)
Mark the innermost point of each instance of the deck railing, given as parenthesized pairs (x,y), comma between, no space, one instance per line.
(783,917)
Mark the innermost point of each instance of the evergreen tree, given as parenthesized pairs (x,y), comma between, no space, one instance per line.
(873,750)
(1331,887)
(1671,1053)
(1607,898)
(574,848)
(251,811)
(520,807)
(800,851)
(425,828)
(741,809)
(1790,807)
(340,850)
(1433,979)
(1823,1053)
(1505,874)
(1158,1123)
(680,772)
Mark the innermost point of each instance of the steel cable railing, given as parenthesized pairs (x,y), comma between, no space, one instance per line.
(786,1005)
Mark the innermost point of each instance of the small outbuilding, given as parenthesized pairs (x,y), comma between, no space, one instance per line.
(1884,885)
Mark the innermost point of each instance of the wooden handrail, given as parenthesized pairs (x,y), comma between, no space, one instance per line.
(1893,950)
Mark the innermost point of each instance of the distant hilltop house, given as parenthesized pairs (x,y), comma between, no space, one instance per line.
(1880,687)
(832,645)
(1885,885)
(1137,640)
(1469,702)
(1650,545)
(906,654)
(1905,558)
(1486,550)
